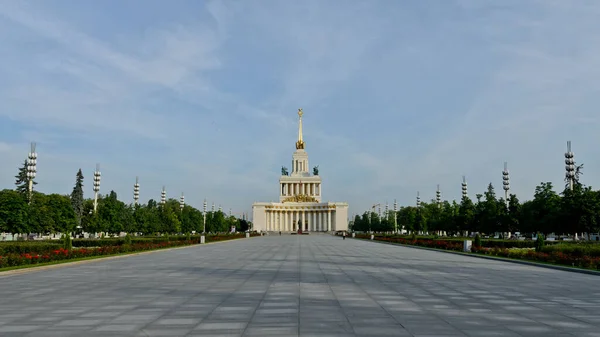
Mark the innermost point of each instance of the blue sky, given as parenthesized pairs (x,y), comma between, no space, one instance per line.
(201,96)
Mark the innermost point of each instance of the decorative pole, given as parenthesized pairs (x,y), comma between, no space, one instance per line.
(387,210)
(505,182)
(97,176)
(570,165)
(181,202)
(213,207)
(230,212)
(204,214)
(163,196)
(136,191)
(395,216)
(418,200)
(438,196)
(31,170)
(464,188)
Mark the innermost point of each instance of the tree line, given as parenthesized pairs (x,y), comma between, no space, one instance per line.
(55,213)
(567,213)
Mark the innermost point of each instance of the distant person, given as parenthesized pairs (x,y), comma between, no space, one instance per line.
(279,233)
(344,236)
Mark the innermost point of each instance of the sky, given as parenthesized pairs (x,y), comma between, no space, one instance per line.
(201,96)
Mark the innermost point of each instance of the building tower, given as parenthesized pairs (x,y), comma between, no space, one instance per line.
(31,171)
(97,176)
(505,182)
(570,166)
(136,191)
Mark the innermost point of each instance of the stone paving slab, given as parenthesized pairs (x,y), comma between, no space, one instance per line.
(315,285)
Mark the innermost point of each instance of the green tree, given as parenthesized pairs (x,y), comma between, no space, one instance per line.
(77,197)
(22,181)
(546,208)
(13,212)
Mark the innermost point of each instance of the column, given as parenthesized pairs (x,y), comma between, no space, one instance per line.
(329,220)
(303,219)
(314,220)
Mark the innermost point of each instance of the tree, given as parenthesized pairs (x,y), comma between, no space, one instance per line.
(13,212)
(77,197)
(546,207)
(22,181)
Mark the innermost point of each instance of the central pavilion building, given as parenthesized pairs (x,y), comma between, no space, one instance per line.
(300,203)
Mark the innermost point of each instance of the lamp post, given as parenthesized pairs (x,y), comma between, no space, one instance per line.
(204,214)
(220,209)
(181,202)
(438,196)
(136,191)
(464,188)
(395,216)
(31,170)
(570,165)
(419,208)
(505,182)
(97,176)
(212,209)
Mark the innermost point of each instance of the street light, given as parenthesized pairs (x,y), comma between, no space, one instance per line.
(204,214)
(163,196)
(31,170)
(97,176)
(395,216)
(505,182)
(438,196)
(181,202)
(136,191)
(464,188)
(570,165)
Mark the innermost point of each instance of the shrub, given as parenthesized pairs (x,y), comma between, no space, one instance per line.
(67,242)
(539,243)
(477,242)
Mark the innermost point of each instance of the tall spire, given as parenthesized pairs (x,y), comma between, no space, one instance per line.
(300,142)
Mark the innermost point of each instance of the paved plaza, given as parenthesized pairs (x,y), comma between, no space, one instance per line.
(315,285)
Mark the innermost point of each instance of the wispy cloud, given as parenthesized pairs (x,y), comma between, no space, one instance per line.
(201,96)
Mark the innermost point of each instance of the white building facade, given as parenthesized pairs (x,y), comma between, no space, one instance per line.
(300,206)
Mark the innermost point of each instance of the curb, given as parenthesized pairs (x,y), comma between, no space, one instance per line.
(15,272)
(495,258)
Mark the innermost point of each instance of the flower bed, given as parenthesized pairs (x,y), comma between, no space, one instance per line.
(573,255)
(15,254)
(430,243)
(553,255)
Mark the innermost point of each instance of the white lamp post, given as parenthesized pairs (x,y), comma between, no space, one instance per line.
(136,191)
(31,170)
(505,182)
(181,202)
(464,188)
(438,196)
(570,165)
(204,214)
(163,196)
(97,176)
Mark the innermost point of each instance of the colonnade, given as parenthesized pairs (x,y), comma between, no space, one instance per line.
(291,189)
(287,220)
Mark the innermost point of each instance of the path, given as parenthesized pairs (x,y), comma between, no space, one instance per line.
(299,285)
